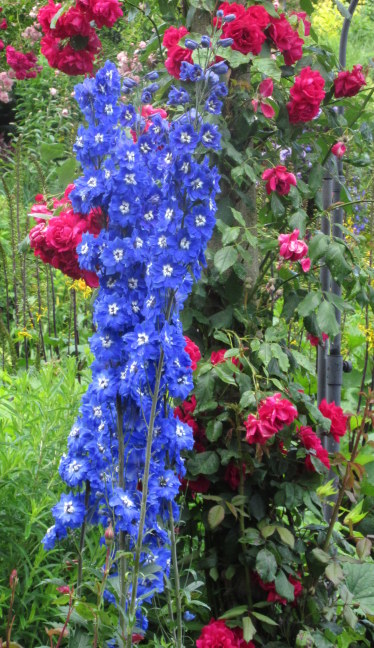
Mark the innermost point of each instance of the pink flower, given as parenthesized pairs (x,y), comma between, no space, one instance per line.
(315,340)
(277,411)
(24,65)
(258,431)
(339,149)
(337,417)
(286,39)
(311,441)
(348,84)
(293,249)
(265,90)
(279,179)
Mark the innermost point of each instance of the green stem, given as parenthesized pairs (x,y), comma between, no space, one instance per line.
(81,541)
(143,508)
(122,535)
(241,517)
(178,602)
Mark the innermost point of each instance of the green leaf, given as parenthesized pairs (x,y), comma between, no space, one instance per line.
(359,579)
(205,463)
(343,10)
(283,361)
(326,319)
(67,172)
(318,246)
(238,217)
(235,612)
(50,152)
(266,566)
(234,58)
(225,258)
(268,67)
(286,536)
(298,221)
(306,5)
(216,515)
(321,556)
(57,15)
(225,372)
(264,353)
(276,204)
(249,629)
(230,235)
(363,547)
(315,177)
(309,304)
(214,430)
(204,387)
(264,618)
(334,573)
(267,530)
(283,587)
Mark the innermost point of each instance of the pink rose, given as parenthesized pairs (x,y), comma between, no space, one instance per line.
(307,93)
(279,179)
(339,149)
(258,430)
(337,417)
(277,411)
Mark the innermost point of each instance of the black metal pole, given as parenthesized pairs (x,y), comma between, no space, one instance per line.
(330,368)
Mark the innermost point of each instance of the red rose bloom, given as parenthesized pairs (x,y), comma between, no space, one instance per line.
(217,635)
(294,249)
(311,441)
(232,475)
(193,351)
(337,417)
(277,411)
(302,15)
(286,39)
(348,84)
(307,93)
(258,431)
(246,33)
(279,179)
(174,60)
(173,35)
(338,149)
(238,632)
(46,14)
(105,12)
(217,357)
(71,23)
(258,14)
(274,597)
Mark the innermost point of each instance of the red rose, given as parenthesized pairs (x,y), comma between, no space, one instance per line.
(259,15)
(273,596)
(229,8)
(232,475)
(71,23)
(258,431)
(337,417)
(279,179)
(217,635)
(217,357)
(65,231)
(306,96)
(348,84)
(46,14)
(173,35)
(246,33)
(105,12)
(277,411)
(199,485)
(174,60)
(311,441)
(286,39)
(302,15)
(193,351)
(238,632)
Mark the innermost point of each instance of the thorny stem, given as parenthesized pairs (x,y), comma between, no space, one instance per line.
(143,508)
(179,643)
(67,619)
(347,474)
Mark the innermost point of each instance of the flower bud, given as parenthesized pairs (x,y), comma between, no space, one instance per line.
(225,42)
(152,76)
(109,534)
(219,13)
(129,83)
(221,67)
(191,44)
(13,578)
(205,41)
(229,18)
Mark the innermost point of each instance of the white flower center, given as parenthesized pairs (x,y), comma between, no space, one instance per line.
(167,270)
(113,309)
(118,254)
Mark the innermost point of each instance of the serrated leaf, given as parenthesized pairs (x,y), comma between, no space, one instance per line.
(235,612)
(249,629)
(283,587)
(266,566)
(359,579)
(234,58)
(225,258)
(238,217)
(214,430)
(50,152)
(268,67)
(216,515)
(321,556)
(264,618)
(205,463)
(286,536)
(363,548)
(334,573)
(309,304)
(267,530)
(326,319)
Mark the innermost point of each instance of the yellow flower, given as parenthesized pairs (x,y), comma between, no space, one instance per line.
(24,334)
(80,286)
